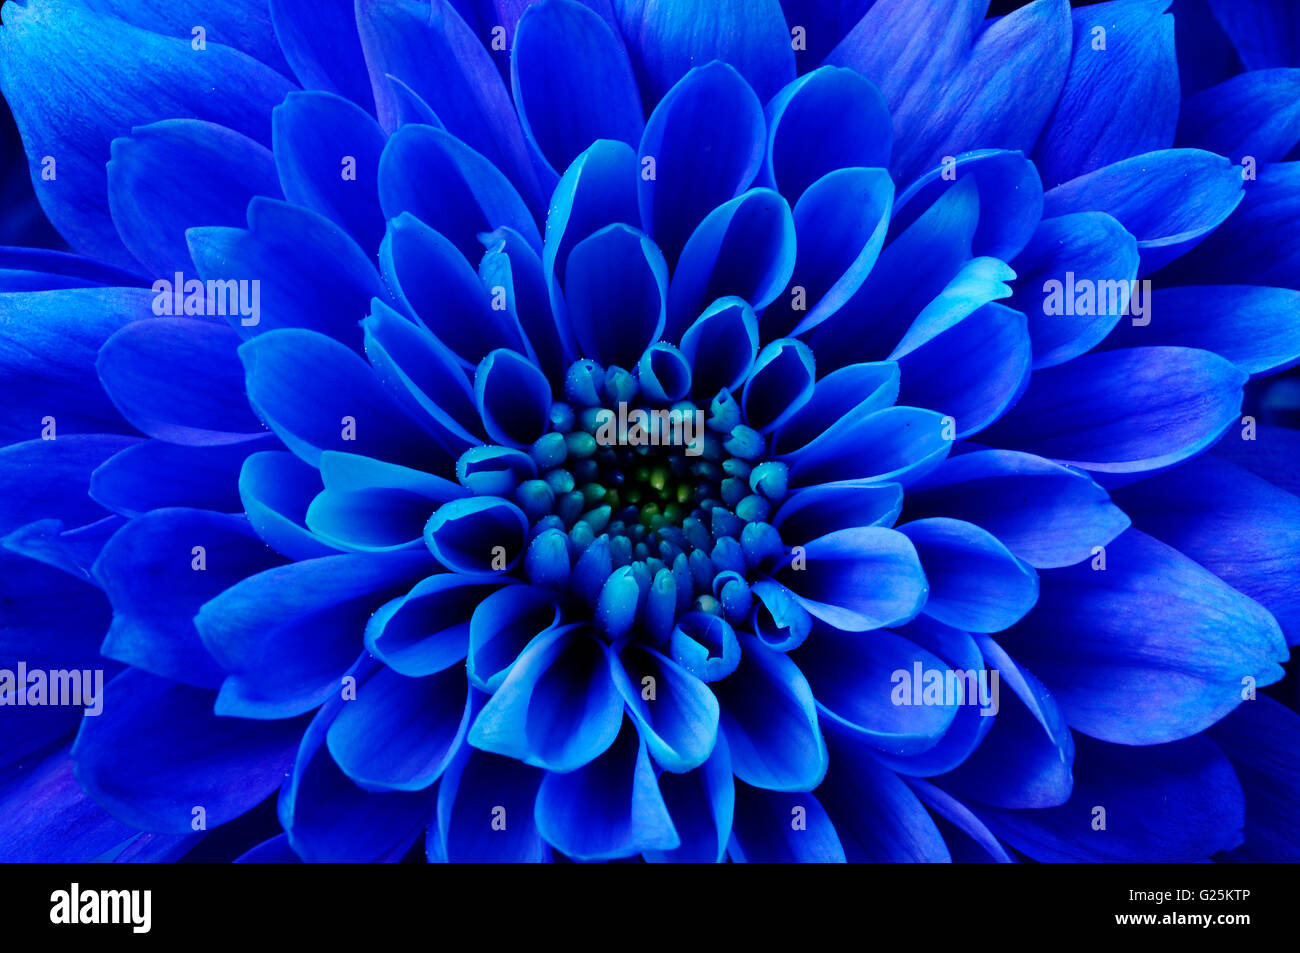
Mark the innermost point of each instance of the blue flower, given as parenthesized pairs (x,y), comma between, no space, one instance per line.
(684,429)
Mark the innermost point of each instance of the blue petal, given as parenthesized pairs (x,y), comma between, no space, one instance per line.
(1121,96)
(778,827)
(1124,411)
(151,192)
(1029,732)
(841,221)
(1265,34)
(608,808)
(1169,200)
(485,810)
(327,152)
(877,817)
(151,573)
(450,188)
(616,287)
(282,250)
(1240,527)
(40,269)
(1255,114)
(721,346)
(857,680)
(964,833)
(1046,514)
(179,379)
(158,753)
(421,721)
(852,391)
(769,719)
(477,533)
(666,39)
(500,627)
(321,45)
(154,474)
(288,635)
(1155,799)
(30,632)
(73,113)
(781,382)
(48,342)
(513,398)
(818,510)
(1271,455)
(1253,327)
(557,709)
(1151,649)
(569,99)
(42,479)
(705,645)
(744,248)
(829,119)
(275,850)
(976,584)
(307,388)
(706,142)
(679,722)
(1088,251)
(1258,739)
(701,803)
(330,819)
(896,443)
(664,373)
(275,489)
(427,630)
(438,56)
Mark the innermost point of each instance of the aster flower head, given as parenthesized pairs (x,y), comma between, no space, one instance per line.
(586,429)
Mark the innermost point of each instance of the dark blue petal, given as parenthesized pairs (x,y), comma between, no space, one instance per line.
(155,474)
(318,395)
(721,345)
(702,146)
(896,443)
(45,816)
(321,45)
(769,719)
(666,40)
(1048,515)
(327,152)
(282,250)
(450,188)
(1265,34)
(824,22)
(275,850)
(500,627)
(40,269)
(852,391)
(156,580)
(288,635)
(158,753)
(512,265)
(42,479)
(485,810)
(964,833)
(608,808)
(1270,454)
(418,723)
(1178,803)
(477,534)
(1169,200)
(701,803)
(330,819)
(1253,327)
(29,631)
(616,287)
(151,192)
(64,80)
(275,489)
(179,379)
(427,630)
(976,584)
(432,50)
(818,510)
(1121,96)
(557,709)
(1254,114)
(1150,649)
(513,398)
(744,248)
(877,817)
(858,683)
(572,81)
(1240,527)
(781,382)
(1029,732)
(841,221)
(1258,739)
(1087,251)
(779,827)
(830,119)
(675,713)
(1125,411)
(48,342)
